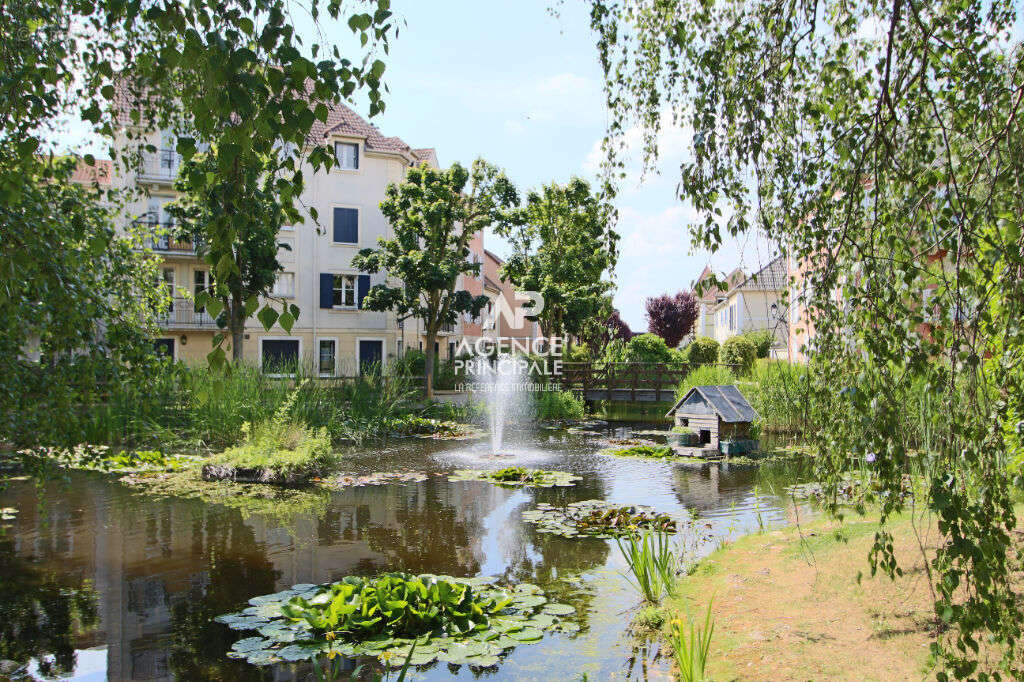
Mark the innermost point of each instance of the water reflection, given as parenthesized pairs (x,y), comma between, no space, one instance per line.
(144,577)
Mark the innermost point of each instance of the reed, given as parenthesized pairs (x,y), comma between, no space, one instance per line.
(691,644)
(652,563)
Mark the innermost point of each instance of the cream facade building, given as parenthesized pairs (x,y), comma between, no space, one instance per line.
(756,303)
(333,334)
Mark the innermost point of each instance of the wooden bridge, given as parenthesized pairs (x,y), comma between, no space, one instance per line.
(624,381)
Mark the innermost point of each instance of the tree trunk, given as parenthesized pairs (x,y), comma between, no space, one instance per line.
(236,323)
(428,364)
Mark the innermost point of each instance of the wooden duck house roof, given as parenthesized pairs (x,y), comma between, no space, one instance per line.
(725,401)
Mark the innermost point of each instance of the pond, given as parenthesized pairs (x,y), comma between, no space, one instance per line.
(130,583)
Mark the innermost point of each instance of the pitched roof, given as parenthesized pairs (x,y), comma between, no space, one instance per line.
(497,259)
(341,120)
(712,292)
(488,282)
(98,173)
(727,402)
(771,277)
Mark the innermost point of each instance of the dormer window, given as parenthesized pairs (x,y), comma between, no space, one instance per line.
(348,155)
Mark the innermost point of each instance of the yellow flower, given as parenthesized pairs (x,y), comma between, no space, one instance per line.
(331,654)
(330,636)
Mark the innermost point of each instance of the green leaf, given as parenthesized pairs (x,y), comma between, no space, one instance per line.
(267,317)
(286,321)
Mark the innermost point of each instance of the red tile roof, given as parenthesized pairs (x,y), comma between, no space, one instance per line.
(99,173)
(341,120)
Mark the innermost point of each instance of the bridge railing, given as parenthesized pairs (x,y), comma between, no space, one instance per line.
(660,377)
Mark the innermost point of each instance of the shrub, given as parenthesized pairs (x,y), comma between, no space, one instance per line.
(762,340)
(648,348)
(615,351)
(552,405)
(702,351)
(739,351)
(577,352)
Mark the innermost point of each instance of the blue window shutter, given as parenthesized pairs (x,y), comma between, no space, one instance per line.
(326,290)
(346,225)
(364,288)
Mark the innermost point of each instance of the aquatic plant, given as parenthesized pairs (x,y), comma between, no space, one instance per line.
(102,458)
(279,450)
(553,405)
(376,478)
(648,451)
(598,518)
(517,477)
(690,647)
(652,563)
(454,620)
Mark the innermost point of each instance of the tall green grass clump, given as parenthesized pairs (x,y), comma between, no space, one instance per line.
(373,405)
(556,404)
(705,375)
(277,450)
(652,564)
(691,644)
(779,392)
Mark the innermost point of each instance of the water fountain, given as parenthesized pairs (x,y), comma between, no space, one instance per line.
(504,386)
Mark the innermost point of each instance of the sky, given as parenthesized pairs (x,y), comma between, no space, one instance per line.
(522,88)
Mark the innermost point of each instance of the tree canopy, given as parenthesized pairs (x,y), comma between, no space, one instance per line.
(671,316)
(880,144)
(435,214)
(564,247)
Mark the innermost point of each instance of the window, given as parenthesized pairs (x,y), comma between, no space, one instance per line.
(346,225)
(451,350)
(344,291)
(348,155)
(732,316)
(400,347)
(168,277)
(280,356)
(200,281)
(284,285)
(327,357)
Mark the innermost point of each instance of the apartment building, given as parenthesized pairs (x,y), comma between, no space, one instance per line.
(756,303)
(494,286)
(710,296)
(333,333)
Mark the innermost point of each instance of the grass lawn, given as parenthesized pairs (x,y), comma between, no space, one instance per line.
(787,605)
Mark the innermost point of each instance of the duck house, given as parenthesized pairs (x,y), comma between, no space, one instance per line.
(719,417)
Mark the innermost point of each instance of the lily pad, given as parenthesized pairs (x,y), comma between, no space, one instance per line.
(517,477)
(598,518)
(296,625)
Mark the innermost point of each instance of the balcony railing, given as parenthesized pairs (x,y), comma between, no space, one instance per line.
(162,164)
(182,314)
(165,240)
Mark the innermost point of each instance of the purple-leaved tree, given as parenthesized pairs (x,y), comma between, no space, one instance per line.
(671,317)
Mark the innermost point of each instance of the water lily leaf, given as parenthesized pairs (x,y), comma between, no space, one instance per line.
(262,657)
(526,635)
(300,652)
(558,609)
(529,601)
(483,661)
(250,644)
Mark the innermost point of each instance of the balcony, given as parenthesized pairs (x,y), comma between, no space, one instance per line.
(165,238)
(182,314)
(160,166)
